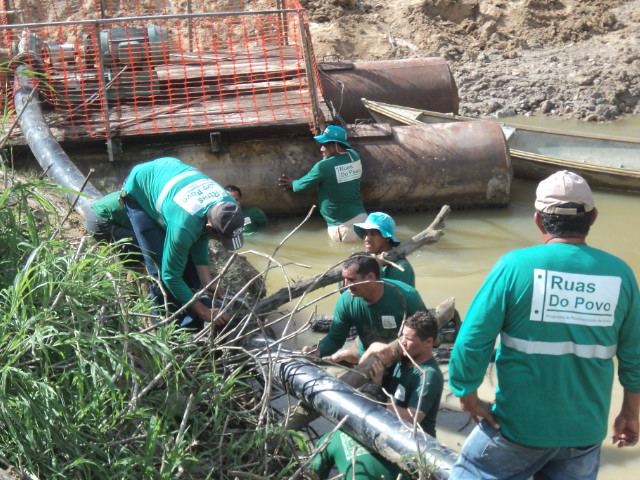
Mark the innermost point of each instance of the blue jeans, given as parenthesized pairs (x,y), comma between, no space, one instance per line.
(487,455)
(150,237)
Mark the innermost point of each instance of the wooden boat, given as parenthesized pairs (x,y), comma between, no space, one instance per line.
(605,161)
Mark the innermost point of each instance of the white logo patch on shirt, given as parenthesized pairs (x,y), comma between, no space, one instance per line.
(388,321)
(351,448)
(349,171)
(194,196)
(561,297)
(400,393)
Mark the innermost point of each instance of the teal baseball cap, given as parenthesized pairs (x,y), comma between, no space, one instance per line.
(333,134)
(378,221)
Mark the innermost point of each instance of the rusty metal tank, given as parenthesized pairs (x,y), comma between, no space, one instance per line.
(417,168)
(419,82)
(406,168)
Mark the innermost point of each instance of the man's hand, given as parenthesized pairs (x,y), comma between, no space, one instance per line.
(216,291)
(377,372)
(626,424)
(477,409)
(285,182)
(349,355)
(205,314)
(311,350)
(380,257)
(625,431)
(221,320)
(384,352)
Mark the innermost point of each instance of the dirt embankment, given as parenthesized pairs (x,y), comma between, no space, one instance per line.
(569,58)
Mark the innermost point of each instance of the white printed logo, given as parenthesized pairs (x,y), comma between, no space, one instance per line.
(351,448)
(561,297)
(196,195)
(400,393)
(388,321)
(349,171)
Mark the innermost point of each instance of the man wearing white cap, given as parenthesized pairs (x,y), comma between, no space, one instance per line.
(377,231)
(562,310)
(174,210)
(337,178)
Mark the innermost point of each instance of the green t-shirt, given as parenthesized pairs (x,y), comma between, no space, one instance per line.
(177,196)
(343,451)
(409,390)
(378,322)
(393,273)
(110,209)
(337,179)
(254,220)
(562,313)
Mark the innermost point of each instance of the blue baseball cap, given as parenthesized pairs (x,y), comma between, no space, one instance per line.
(333,134)
(378,221)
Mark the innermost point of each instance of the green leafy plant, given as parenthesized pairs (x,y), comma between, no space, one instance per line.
(87,393)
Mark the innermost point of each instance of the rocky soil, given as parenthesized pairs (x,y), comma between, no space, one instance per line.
(568,58)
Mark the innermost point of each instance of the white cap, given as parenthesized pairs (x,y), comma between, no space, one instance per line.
(561,188)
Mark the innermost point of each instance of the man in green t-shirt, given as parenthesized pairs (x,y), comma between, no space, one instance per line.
(337,178)
(254,218)
(417,381)
(111,224)
(353,460)
(376,308)
(377,231)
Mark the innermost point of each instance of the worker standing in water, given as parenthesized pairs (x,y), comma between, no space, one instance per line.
(378,231)
(337,178)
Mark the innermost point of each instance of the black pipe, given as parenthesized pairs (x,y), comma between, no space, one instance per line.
(47,151)
(369,423)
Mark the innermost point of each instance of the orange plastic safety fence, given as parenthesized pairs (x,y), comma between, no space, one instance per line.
(146,69)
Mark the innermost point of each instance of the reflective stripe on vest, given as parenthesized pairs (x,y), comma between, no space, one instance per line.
(165,190)
(558,348)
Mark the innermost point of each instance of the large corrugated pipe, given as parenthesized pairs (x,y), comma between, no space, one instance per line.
(369,423)
(47,151)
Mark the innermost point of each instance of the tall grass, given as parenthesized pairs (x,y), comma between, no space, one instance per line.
(84,394)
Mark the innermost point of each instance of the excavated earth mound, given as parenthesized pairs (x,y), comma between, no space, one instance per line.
(568,58)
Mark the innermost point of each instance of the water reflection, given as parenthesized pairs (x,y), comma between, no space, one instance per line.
(456,266)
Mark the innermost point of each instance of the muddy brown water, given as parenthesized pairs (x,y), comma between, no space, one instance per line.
(628,126)
(455,266)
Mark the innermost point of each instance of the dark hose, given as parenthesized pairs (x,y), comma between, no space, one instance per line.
(368,422)
(47,151)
